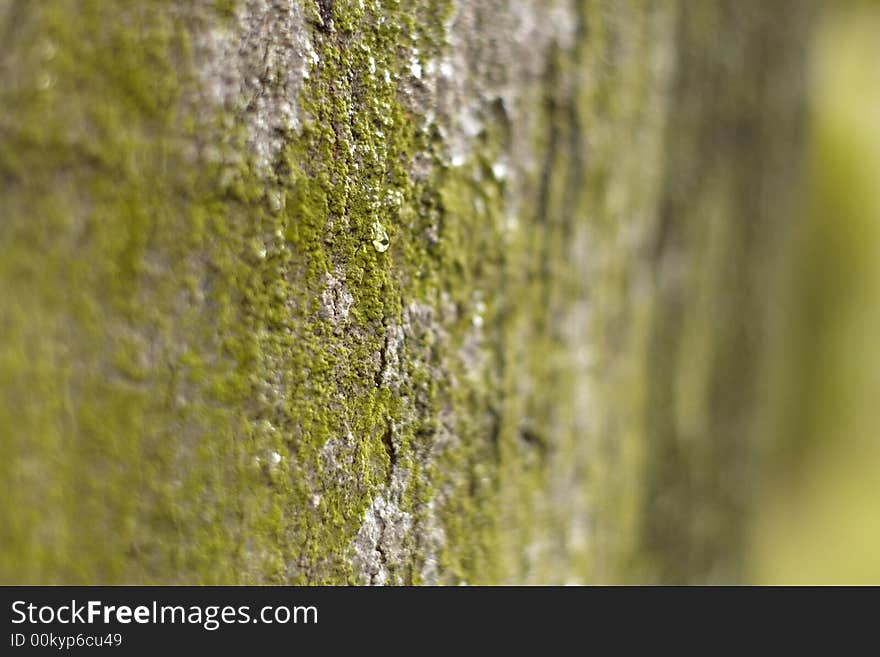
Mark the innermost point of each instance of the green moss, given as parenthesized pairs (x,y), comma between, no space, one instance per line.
(186,383)
(181,378)
(209,373)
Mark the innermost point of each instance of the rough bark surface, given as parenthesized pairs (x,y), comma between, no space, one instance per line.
(427,291)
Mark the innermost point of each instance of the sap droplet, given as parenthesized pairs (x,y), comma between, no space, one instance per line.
(499,170)
(380,238)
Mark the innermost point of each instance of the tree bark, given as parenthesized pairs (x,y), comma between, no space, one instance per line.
(429,291)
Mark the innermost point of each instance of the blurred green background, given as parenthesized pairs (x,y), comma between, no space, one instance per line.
(819,517)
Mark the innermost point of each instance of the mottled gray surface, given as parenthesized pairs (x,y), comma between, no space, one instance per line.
(392,293)
(578,115)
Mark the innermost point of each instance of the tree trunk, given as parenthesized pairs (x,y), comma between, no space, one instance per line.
(431,291)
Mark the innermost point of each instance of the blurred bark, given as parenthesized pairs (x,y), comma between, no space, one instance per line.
(419,292)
